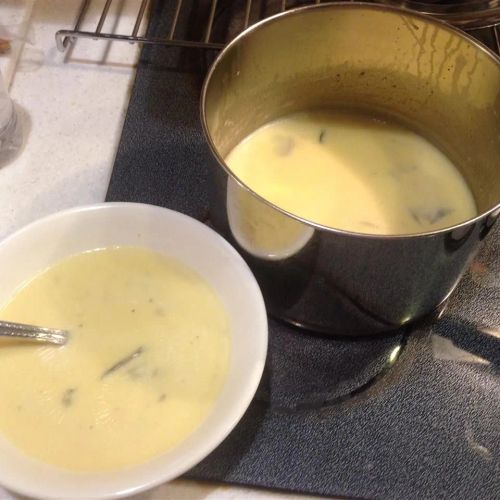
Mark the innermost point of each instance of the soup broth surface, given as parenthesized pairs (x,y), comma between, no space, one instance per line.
(146,358)
(353,171)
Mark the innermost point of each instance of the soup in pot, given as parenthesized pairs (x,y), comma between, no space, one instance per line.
(353,171)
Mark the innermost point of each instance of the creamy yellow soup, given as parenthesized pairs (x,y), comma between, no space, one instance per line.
(351,171)
(147,356)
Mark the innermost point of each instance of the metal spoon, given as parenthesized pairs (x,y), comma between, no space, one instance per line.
(33,333)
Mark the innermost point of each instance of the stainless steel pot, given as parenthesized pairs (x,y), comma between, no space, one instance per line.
(382,58)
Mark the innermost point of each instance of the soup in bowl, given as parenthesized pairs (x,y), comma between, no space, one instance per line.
(167,343)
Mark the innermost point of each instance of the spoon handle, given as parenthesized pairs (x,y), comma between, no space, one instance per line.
(32,332)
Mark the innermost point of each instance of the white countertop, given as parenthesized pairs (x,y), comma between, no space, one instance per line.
(73,106)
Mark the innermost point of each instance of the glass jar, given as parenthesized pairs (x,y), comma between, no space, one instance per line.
(11,137)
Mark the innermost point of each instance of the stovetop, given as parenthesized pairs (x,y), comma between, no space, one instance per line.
(411,415)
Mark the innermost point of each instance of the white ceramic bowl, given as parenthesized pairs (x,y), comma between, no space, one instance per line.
(48,240)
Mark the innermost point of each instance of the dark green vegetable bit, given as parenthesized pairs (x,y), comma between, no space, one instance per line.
(430,217)
(67,398)
(322,135)
(123,362)
(439,214)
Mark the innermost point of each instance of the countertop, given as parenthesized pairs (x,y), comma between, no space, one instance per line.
(72,106)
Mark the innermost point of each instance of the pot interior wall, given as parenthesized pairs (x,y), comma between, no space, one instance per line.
(351,55)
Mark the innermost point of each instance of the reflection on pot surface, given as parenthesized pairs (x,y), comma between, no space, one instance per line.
(261,230)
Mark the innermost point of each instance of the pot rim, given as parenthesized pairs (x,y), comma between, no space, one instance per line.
(494,210)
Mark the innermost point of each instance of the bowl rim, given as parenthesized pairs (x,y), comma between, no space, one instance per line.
(334,6)
(239,401)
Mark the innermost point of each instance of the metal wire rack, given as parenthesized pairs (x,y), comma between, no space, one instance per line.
(470,15)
